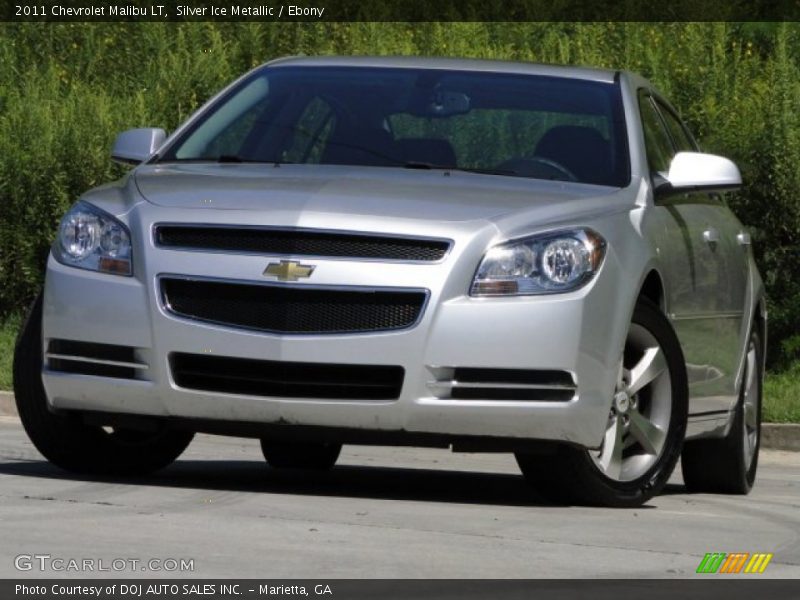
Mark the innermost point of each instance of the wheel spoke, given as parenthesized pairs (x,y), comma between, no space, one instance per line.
(750,415)
(651,365)
(750,394)
(647,433)
(611,456)
(750,376)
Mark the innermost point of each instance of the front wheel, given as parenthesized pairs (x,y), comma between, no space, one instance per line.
(64,439)
(644,430)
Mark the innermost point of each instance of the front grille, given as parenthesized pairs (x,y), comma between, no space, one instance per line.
(285,309)
(89,358)
(297,242)
(286,379)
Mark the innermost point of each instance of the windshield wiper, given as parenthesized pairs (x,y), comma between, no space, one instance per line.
(235,158)
(431,166)
(423,165)
(223,158)
(487,171)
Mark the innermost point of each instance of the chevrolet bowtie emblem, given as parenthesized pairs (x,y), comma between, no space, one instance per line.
(289,270)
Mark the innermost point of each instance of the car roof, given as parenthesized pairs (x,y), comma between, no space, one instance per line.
(457,64)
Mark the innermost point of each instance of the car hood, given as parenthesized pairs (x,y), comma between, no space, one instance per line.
(357,192)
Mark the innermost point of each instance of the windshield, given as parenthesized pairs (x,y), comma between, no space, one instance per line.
(507,124)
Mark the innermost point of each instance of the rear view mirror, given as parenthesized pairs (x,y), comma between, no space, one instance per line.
(697,171)
(136,145)
(450,103)
(441,103)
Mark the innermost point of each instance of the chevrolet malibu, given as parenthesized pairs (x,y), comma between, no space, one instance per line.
(483,256)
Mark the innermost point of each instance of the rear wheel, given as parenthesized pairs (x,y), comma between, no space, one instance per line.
(728,465)
(289,455)
(64,439)
(644,431)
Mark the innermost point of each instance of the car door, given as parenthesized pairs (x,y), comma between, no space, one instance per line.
(705,278)
(733,244)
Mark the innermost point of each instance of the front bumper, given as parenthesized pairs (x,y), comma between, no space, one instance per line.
(574,333)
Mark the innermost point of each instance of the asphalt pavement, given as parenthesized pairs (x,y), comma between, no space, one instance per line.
(382,512)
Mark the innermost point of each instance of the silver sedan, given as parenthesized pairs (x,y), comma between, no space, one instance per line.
(486,256)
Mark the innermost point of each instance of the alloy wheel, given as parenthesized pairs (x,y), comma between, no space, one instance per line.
(750,429)
(640,413)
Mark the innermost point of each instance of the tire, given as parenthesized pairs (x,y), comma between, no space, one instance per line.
(64,439)
(728,465)
(287,455)
(645,428)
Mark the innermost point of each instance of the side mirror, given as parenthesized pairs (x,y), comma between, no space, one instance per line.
(699,172)
(136,145)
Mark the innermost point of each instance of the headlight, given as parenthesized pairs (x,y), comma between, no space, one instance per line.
(89,238)
(548,263)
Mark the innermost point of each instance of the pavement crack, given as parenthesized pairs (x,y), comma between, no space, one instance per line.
(70,500)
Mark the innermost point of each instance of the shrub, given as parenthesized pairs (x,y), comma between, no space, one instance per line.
(67,89)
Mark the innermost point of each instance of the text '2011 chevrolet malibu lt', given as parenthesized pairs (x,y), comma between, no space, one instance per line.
(487,256)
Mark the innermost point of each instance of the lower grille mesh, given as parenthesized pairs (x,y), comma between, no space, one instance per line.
(286,379)
(282,309)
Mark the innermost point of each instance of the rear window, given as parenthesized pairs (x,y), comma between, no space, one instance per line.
(506,124)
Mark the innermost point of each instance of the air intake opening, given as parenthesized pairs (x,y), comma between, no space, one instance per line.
(90,358)
(473,383)
(286,379)
(523,376)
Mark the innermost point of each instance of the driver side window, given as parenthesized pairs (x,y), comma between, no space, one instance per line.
(677,130)
(656,139)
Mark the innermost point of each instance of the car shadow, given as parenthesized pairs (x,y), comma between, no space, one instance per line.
(387,483)
(382,483)
(674,489)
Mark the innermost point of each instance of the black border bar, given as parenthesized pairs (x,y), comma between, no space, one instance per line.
(743,587)
(50,11)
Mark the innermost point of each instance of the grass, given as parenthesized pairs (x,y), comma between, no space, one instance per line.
(782,396)
(8,334)
(71,86)
(781,390)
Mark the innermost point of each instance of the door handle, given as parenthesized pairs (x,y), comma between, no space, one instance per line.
(744,239)
(711,236)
